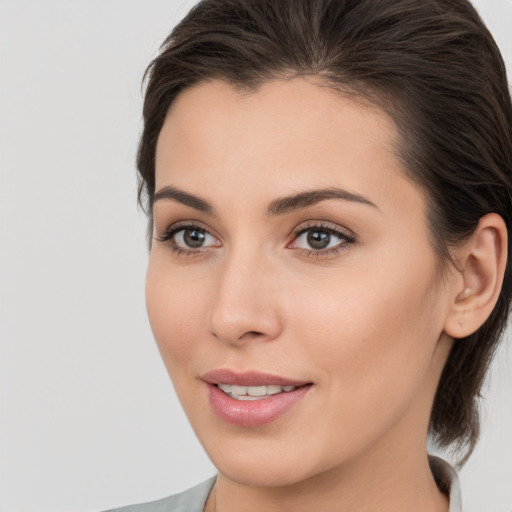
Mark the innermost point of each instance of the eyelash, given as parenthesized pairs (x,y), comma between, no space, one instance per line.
(346,239)
(168,235)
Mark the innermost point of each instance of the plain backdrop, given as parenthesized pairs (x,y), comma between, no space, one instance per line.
(88,418)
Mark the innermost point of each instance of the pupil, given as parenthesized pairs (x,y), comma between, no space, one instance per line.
(194,237)
(319,239)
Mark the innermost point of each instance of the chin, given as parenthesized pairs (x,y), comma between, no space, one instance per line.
(258,460)
(268,473)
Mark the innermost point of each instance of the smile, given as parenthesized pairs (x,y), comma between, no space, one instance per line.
(254,392)
(251,398)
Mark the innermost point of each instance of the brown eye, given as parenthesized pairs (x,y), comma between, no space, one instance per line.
(194,238)
(318,239)
(188,239)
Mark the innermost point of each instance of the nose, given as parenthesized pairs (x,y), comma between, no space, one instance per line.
(245,305)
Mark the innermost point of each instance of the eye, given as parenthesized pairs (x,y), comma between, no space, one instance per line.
(188,239)
(193,238)
(321,240)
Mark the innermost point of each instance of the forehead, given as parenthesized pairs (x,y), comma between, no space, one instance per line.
(297,110)
(288,135)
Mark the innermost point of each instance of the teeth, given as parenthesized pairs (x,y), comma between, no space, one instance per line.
(239,390)
(257,390)
(225,387)
(253,392)
(273,389)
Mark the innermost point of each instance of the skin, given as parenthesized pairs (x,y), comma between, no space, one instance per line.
(365,325)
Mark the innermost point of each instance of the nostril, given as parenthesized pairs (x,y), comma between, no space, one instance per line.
(245,336)
(251,335)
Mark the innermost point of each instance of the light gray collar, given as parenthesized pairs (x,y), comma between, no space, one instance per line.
(447,480)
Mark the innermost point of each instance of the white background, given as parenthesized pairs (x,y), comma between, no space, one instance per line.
(88,418)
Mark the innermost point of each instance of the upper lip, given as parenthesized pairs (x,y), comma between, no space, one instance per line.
(249,378)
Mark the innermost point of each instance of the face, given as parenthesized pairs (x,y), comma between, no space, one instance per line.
(292,288)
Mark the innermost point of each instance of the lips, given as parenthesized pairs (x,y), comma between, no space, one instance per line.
(252,399)
(250,378)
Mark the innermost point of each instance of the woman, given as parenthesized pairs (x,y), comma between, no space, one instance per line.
(328,184)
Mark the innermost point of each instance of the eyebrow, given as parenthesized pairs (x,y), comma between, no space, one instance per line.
(312,197)
(183,197)
(278,206)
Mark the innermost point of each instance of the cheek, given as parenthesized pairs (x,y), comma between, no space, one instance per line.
(174,303)
(372,334)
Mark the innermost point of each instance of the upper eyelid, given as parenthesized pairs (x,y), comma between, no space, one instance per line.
(297,231)
(180,225)
(303,226)
(345,238)
(167,236)
(327,225)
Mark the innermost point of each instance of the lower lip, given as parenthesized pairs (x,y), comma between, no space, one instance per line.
(253,413)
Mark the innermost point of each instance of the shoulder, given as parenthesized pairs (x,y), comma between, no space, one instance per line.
(192,500)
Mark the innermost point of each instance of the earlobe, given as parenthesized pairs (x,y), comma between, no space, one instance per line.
(481,262)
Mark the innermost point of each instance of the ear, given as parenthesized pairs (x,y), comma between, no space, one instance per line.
(481,264)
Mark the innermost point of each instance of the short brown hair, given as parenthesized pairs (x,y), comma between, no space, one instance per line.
(432,65)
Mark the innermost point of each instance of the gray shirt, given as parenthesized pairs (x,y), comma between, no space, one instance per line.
(194,499)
